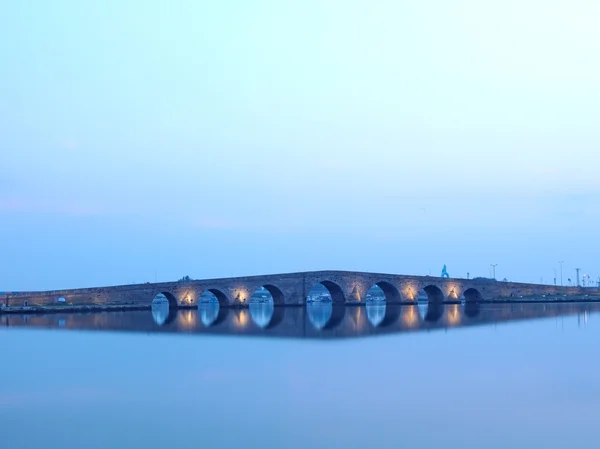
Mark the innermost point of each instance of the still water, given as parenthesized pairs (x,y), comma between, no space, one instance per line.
(493,376)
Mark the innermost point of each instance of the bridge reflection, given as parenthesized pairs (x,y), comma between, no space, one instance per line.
(317,320)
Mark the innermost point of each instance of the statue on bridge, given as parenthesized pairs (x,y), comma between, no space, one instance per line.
(445,272)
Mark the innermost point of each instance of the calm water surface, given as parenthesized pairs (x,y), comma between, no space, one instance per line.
(495,377)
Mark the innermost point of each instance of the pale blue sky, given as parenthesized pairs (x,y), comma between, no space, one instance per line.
(144,140)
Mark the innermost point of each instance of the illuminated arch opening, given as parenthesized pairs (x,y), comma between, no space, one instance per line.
(326,291)
(268,293)
(434,294)
(213,295)
(383,291)
(472,295)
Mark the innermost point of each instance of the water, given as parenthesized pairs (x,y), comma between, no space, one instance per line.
(495,376)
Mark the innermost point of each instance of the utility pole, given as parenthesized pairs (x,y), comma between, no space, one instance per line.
(577,269)
(561,262)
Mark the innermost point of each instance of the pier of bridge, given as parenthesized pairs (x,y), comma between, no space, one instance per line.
(345,287)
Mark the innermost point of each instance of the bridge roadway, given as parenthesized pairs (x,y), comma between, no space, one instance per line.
(345,287)
(297,322)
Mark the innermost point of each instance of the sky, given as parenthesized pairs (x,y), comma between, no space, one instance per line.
(144,141)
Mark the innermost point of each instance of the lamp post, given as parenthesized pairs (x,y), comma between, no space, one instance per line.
(494,265)
(554,275)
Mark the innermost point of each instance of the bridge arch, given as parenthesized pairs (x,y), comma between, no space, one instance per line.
(214,293)
(170,297)
(472,295)
(275,292)
(335,291)
(434,294)
(390,292)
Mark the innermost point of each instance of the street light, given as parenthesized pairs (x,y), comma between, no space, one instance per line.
(494,265)
(554,275)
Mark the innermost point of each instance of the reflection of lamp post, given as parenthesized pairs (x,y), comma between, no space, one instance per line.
(561,262)
(584,279)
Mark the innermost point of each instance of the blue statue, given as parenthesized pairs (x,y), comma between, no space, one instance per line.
(445,272)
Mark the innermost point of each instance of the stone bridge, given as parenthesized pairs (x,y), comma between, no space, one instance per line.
(345,287)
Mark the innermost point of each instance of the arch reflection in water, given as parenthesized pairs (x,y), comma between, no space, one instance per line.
(162,310)
(319,313)
(422,306)
(211,313)
(472,309)
(375,312)
(325,315)
(431,311)
(382,304)
(262,313)
(305,323)
(267,306)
